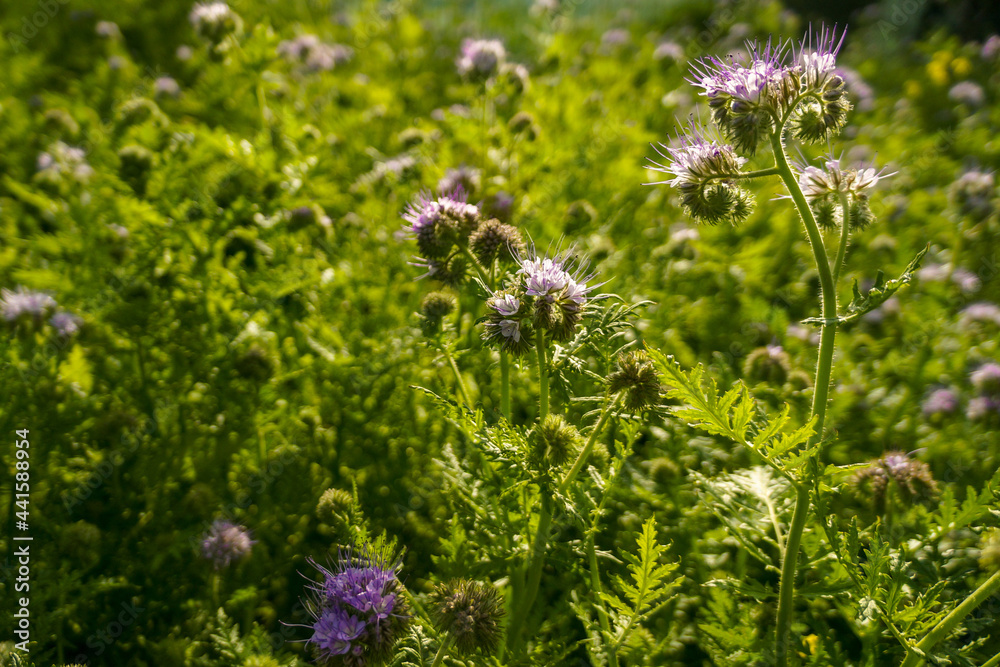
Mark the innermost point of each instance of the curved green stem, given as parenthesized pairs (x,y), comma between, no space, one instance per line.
(458,376)
(992,662)
(828,296)
(845,232)
(584,454)
(505,385)
(442,650)
(949,622)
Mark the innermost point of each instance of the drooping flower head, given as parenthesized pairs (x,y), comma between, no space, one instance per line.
(481,58)
(225,543)
(439,224)
(358,609)
(703,169)
(25,303)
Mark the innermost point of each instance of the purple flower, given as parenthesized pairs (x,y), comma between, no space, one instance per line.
(166,86)
(507,305)
(750,81)
(698,156)
(986,378)
(226,542)
(357,608)
(991,47)
(968,93)
(61,159)
(481,58)
(65,324)
(549,279)
(668,49)
(463,179)
(833,180)
(317,56)
(983,311)
(25,303)
(817,55)
(940,402)
(981,407)
(334,631)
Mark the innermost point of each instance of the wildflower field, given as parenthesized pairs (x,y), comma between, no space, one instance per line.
(552,332)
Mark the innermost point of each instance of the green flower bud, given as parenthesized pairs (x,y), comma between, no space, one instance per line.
(556,441)
(495,239)
(471,613)
(860,213)
(434,308)
(637,377)
(255,364)
(769,364)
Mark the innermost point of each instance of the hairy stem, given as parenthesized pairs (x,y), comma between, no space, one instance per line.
(757,173)
(581,459)
(828,296)
(949,622)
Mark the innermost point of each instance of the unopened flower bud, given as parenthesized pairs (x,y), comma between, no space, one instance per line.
(860,213)
(434,308)
(769,364)
(556,441)
(334,505)
(495,239)
(471,613)
(636,376)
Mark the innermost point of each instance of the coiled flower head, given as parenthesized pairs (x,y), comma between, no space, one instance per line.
(746,94)
(824,186)
(471,613)
(559,289)
(769,364)
(480,59)
(556,441)
(986,379)
(439,224)
(358,609)
(496,239)
(703,170)
(214,21)
(507,325)
(911,478)
(25,304)
(225,543)
(637,377)
(433,309)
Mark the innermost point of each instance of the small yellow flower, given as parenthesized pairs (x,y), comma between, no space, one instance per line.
(938,71)
(912,88)
(961,67)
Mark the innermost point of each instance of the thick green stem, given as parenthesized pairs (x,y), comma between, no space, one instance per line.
(505,385)
(845,232)
(581,459)
(442,650)
(595,584)
(949,622)
(992,662)
(828,295)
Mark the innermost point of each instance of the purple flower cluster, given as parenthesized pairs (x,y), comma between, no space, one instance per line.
(33,306)
(314,54)
(703,170)
(61,160)
(225,543)
(358,610)
(550,294)
(481,58)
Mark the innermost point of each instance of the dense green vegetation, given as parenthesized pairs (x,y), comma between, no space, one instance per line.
(221,221)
